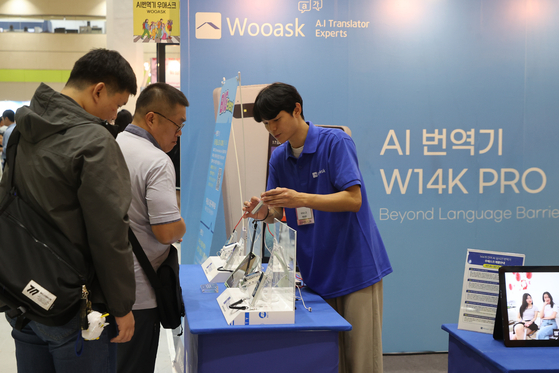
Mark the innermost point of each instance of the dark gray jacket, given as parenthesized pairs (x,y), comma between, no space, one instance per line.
(70,169)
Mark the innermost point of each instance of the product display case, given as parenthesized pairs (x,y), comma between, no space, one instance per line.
(254,296)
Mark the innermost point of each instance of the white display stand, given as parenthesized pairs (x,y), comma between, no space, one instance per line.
(271,300)
(219,268)
(281,312)
(210,267)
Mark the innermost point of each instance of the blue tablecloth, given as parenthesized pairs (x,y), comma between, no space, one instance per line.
(479,352)
(309,345)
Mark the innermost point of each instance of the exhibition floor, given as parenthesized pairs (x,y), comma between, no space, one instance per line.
(416,363)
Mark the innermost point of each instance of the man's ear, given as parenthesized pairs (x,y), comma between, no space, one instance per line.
(297,110)
(149,117)
(97,91)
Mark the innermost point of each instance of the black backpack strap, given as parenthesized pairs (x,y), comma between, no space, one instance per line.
(19,315)
(11,151)
(143,260)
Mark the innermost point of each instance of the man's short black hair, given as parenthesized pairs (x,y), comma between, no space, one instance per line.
(275,98)
(123,119)
(158,95)
(9,114)
(103,66)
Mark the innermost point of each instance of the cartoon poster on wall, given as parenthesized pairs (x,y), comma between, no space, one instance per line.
(156,21)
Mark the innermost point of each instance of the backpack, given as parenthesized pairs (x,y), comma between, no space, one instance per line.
(43,276)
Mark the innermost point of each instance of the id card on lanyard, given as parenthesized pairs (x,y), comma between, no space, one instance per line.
(304,216)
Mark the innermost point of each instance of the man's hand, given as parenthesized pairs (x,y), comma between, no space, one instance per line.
(345,200)
(283,197)
(248,206)
(125,326)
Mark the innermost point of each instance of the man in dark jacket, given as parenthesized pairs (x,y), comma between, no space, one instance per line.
(71,170)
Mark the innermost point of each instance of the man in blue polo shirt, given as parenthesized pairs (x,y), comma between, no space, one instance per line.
(314,177)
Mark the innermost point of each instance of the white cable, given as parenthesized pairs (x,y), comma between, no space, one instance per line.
(243,137)
(236,154)
(238,168)
(302,300)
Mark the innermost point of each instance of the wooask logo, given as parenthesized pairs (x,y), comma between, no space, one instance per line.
(315,174)
(265,29)
(208,25)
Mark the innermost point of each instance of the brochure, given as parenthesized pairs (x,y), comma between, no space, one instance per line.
(480,290)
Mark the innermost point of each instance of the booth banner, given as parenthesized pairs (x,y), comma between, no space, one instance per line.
(215,171)
(156,21)
(480,290)
(452,107)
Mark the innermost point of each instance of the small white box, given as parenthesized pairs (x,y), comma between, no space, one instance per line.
(210,267)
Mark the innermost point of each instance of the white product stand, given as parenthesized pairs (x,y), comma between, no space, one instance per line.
(266,297)
(219,268)
(213,274)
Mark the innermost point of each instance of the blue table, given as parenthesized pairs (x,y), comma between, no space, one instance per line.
(309,345)
(480,353)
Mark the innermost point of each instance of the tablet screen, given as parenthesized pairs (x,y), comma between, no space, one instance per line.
(529,305)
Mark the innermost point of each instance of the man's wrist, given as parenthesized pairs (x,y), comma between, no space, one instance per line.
(267,214)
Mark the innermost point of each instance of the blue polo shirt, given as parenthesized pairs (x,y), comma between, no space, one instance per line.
(342,252)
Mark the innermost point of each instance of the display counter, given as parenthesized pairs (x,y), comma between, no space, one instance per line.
(479,352)
(309,345)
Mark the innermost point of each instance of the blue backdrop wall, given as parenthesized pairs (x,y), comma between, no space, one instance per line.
(453,109)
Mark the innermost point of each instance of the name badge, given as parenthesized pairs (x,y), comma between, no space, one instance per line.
(304,216)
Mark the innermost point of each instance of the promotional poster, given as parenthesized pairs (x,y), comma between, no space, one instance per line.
(156,21)
(212,195)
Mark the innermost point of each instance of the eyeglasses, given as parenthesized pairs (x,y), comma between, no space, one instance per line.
(179,128)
